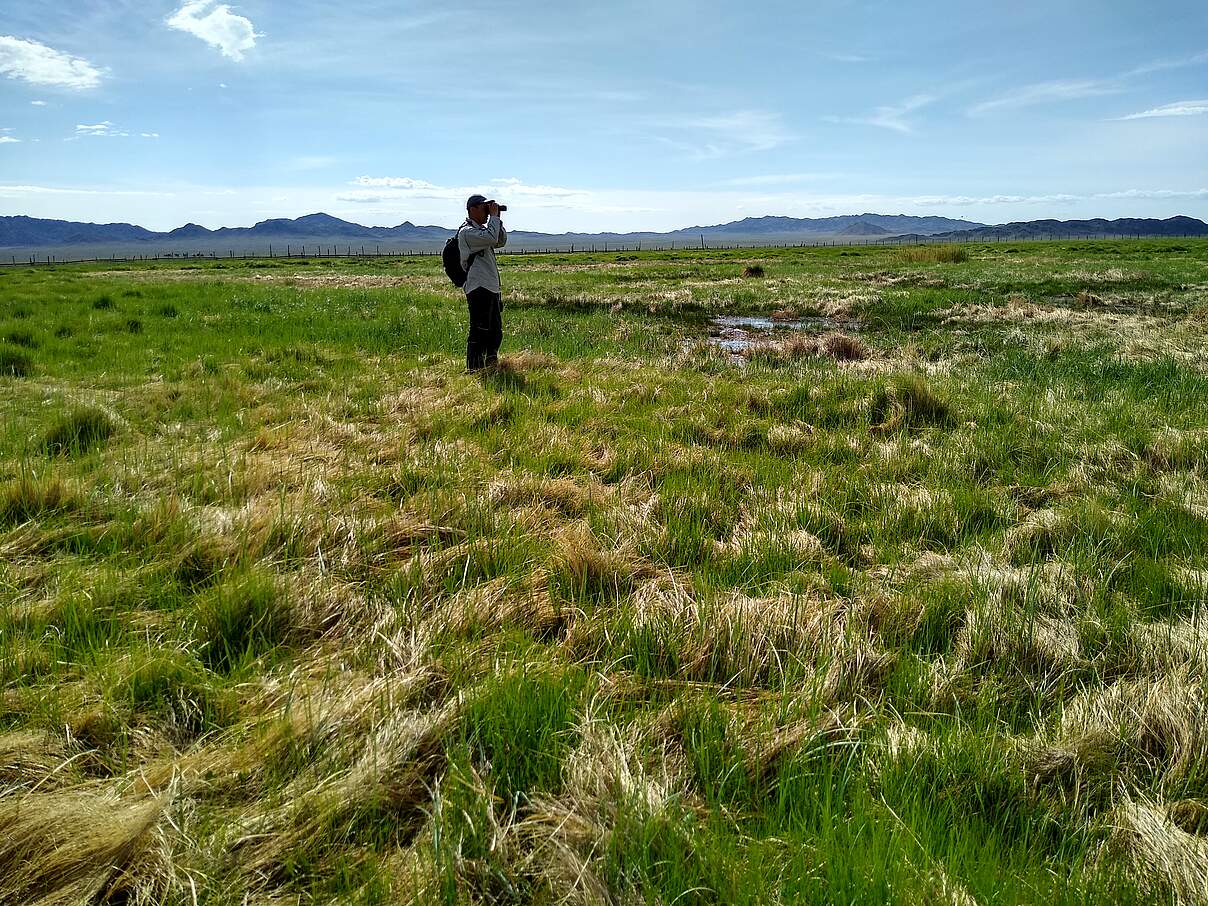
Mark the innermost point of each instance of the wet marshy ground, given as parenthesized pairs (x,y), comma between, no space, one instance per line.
(739,333)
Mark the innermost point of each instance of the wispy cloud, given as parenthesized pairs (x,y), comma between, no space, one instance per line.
(392,182)
(848,58)
(25,191)
(1163,65)
(38,64)
(1058,199)
(1178,108)
(6,139)
(893,117)
(517,187)
(103,129)
(1155,193)
(751,130)
(1044,93)
(959,201)
(722,135)
(37,103)
(777,179)
(386,189)
(217,25)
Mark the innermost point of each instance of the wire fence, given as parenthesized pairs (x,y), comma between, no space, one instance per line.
(347,250)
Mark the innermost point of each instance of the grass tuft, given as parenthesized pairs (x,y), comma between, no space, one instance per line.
(844,348)
(78,431)
(242,619)
(936,254)
(23,338)
(30,497)
(14,362)
(907,401)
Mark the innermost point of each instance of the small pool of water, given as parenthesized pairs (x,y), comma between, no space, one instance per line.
(744,322)
(737,333)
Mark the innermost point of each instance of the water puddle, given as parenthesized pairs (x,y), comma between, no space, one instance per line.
(737,333)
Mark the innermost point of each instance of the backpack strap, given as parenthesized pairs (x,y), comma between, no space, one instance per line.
(473,255)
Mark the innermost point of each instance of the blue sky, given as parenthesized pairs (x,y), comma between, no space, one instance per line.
(607,116)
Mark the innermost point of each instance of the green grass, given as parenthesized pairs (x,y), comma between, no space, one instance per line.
(293,608)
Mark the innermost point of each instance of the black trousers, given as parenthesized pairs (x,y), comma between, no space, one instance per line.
(486,328)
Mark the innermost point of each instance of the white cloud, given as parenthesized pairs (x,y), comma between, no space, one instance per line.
(41,65)
(749,130)
(1059,199)
(1155,193)
(963,201)
(104,129)
(27,191)
(712,137)
(777,179)
(216,25)
(38,103)
(1043,93)
(1162,65)
(519,187)
(406,187)
(392,182)
(1178,108)
(386,189)
(8,140)
(891,117)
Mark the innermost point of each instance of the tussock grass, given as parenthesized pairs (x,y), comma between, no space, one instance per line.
(78,430)
(932,254)
(907,401)
(241,619)
(76,846)
(30,497)
(1168,862)
(840,347)
(23,338)
(14,362)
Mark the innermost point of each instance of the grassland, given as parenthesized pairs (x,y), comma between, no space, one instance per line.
(294,610)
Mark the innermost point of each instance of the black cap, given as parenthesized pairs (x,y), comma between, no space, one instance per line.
(475,199)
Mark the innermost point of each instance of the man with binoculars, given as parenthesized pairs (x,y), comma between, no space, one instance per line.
(477,240)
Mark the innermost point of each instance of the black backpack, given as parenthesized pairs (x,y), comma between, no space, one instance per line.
(451,258)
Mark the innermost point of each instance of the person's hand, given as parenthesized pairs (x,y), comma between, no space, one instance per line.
(493,208)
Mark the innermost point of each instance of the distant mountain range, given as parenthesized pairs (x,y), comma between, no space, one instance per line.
(29,232)
(16,232)
(1056,229)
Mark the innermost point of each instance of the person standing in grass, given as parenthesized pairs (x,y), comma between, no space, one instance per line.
(477,240)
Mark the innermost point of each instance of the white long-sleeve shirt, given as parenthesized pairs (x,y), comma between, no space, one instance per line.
(483,271)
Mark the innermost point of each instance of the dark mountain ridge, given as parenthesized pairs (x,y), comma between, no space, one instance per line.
(1096,228)
(22,231)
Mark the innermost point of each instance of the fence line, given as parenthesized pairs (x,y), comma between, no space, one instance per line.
(348,251)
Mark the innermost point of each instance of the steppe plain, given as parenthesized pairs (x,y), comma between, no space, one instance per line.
(903,604)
